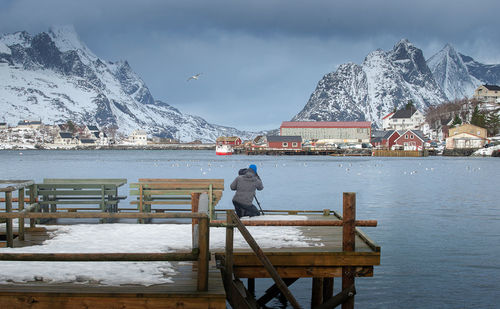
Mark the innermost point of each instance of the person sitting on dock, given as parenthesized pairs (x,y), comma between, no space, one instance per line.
(245,185)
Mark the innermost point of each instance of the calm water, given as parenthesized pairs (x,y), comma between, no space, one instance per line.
(439,218)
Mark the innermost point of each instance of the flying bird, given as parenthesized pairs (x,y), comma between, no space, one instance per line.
(194,77)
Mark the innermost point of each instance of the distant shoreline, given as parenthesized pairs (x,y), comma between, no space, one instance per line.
(118,147)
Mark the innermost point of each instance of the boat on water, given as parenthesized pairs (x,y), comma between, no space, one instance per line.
(223,150)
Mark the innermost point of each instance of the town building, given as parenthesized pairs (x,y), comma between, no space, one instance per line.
(29,124)
(284,142)
(487,94)
(139,137)
(3,125)
(404,119)
(229,140)
(338,132)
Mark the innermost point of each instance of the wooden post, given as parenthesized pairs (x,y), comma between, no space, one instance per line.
(265,261)
(204,254)
(20,207)
(141,199)
(8,224)
(210,202)
(32,201)
(348,242)
(195,199)
(326,212)
(251,286)
(328,284)
(229,248)
(317,292)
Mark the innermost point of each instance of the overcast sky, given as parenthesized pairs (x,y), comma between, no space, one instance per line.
(260,60)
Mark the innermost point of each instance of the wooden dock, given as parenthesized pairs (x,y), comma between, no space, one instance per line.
(345,252)
(304,152)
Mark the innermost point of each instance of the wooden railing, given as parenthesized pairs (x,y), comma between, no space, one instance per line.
(19,186)
(165,191)
(200,251)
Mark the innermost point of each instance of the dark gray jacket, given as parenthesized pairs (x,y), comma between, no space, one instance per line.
(245,186)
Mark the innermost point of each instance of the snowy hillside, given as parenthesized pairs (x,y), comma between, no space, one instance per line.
(385,80)
(54,77)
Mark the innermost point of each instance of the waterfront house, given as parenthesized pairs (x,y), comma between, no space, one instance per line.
(464,140)
(64,138)
(404,119)
(284,142)
(87,141)
(229,140)
(90,130)
(3,125)
(388,140)
(410,140)
(338,132)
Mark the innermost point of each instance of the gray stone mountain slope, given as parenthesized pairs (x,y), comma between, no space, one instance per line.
(54,77)
(388,80)
(459,75)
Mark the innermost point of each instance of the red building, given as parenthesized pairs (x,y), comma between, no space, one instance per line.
(229,140)
(284,142)
(410,140)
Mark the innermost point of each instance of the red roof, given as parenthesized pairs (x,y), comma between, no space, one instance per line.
(388,115)
(326,124)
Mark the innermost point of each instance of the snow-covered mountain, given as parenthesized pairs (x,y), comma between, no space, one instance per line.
(54,77)
(385,80)
(371,90)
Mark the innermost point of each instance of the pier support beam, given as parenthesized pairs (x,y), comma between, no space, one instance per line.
(327,289)
(317,292)
(348,243)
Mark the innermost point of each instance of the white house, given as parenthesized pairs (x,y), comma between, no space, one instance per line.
(404,119)
(139,137)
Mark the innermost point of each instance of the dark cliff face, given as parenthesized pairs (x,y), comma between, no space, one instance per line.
(132,84)
(44,52)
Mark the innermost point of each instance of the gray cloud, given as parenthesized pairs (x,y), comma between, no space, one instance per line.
(261,59)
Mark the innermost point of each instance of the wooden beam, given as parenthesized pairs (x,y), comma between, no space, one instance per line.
(310,259)
(348,243)
(370,223)
(8,224)
(20,207)
(204,255)
(105,215)
(265,261)
(328,284)
(273,291)
(301,272)
(340,298)
(99,257)
(228,257)
(317,292)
